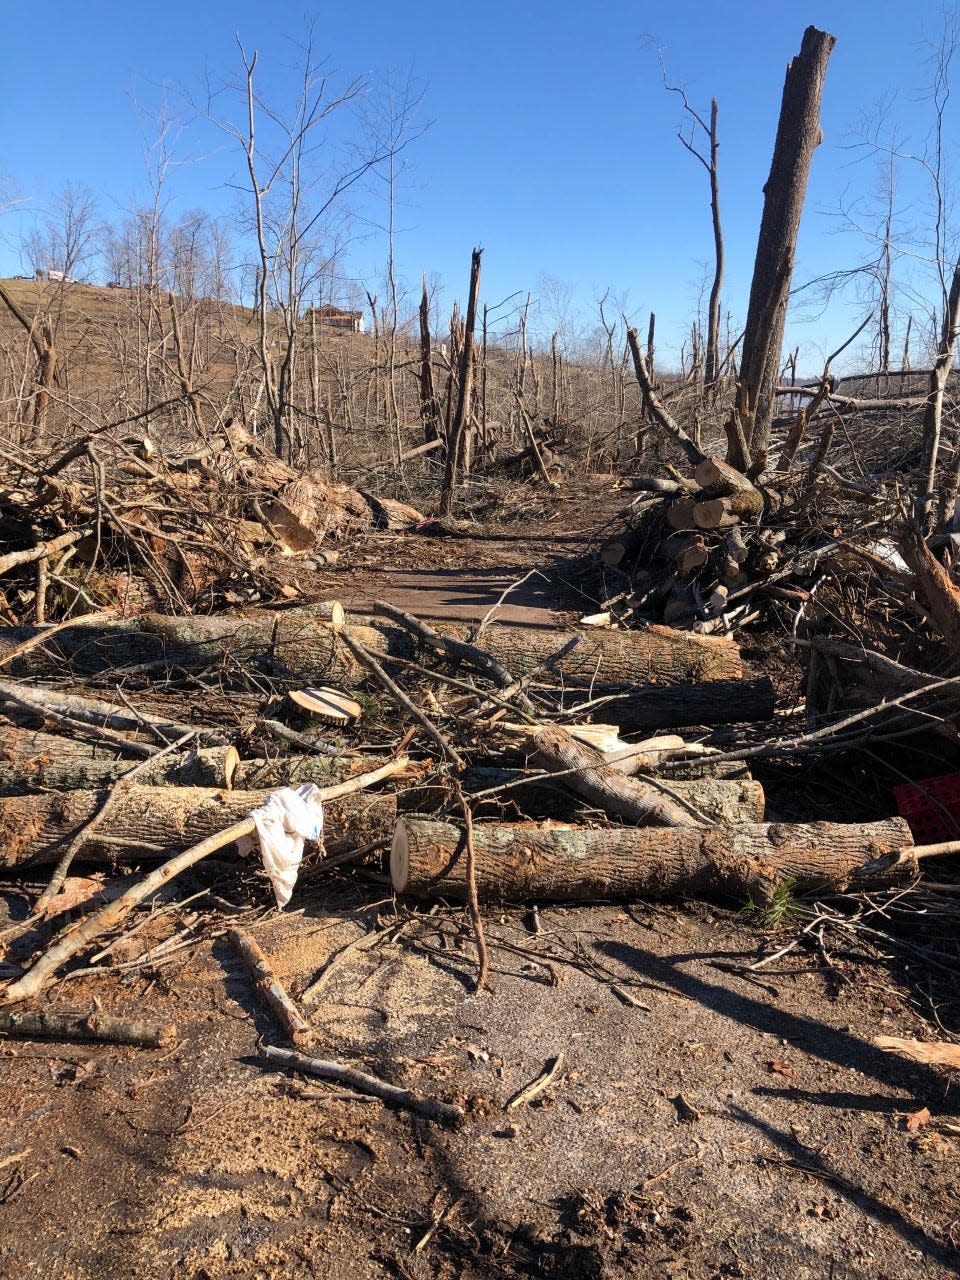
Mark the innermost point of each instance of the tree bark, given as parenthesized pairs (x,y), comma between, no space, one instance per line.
(147,822)
(311,650)
(720,800)
(710,702)
(583,770)
(457,443)
(524,861)
(35,761)
(798,136)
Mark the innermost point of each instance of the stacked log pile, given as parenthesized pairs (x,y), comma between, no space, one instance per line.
(710,551)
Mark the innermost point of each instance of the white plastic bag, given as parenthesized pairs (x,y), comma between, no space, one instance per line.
(283,824)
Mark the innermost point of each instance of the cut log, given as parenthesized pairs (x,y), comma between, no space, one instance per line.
(548,862)
(717,479)
(723,800)
(583,770)
(679,514)
(656,655)
(713,513)
(709,703)
(147,822)
(685,552)
(615,550)
(35,761)
(310,650)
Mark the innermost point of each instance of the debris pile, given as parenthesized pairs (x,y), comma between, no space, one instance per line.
(116,523)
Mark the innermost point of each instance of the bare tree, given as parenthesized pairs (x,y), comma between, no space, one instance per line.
(296,180)
(711,146)
(66,238)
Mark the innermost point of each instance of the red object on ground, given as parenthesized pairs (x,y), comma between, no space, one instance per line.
(931,808)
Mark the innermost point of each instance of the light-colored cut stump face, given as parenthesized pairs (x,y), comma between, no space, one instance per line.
(400,858)
(329,705)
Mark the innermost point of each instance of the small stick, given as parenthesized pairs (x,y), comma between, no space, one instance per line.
(476,919)
(369,661)
(363,1083)
(53,1024)
(536,1087)
(33,981)
(270,987)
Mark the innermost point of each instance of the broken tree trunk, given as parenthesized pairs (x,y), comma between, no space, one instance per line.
(798,136)
(940,596)
(550,862)
(150,821)
(724,800)
(583,770)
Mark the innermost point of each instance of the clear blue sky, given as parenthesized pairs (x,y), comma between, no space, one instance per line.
(551,141)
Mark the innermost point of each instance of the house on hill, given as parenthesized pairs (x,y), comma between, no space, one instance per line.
(330,317)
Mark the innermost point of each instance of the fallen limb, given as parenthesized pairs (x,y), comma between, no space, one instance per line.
(543,1081)
(540,795)
(446,748)
(92,711)
(583,770)
(270,988)
(527,861)
(363,1083)
(53,1024)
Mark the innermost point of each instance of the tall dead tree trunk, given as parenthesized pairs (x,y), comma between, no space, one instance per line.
(798,136)
(457,439)
(712,371)
(43,345)
(429,407)
(933,413)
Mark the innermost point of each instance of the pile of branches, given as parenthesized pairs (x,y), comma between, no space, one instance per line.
(116,523)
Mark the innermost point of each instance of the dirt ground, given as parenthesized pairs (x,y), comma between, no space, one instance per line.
(709,1119)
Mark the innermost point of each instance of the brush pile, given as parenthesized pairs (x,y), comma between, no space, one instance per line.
(118,523)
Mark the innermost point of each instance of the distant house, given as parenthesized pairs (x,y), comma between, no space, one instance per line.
(60,277)
(336,318)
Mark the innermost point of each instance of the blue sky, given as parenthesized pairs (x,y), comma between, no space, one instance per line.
(551,140)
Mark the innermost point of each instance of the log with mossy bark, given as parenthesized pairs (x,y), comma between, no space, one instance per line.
(144,823)
(544,862)
(308,649)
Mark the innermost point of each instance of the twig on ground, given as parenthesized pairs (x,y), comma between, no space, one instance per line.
(271,988)
(339,1073)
